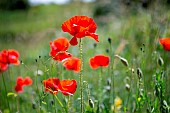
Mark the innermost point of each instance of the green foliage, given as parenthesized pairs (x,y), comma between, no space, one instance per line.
(140,72)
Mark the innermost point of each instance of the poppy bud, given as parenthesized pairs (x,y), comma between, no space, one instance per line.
(127,86)
(107,50)
(94,45)
(139,73)
(109,40)
(34,105)
(109,81)
(160,61)
(91,103)
(52,102)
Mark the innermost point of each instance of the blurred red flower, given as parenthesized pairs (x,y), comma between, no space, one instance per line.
(99,60)
(8,57)
(165,42)
(13,57)
(54,85)
(72,63)
(20,82)
(51,85)
(58,49)
(68,87)
(79,27)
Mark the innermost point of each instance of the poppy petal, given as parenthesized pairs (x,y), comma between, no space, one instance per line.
(165,42)
(61,56)
(93,63)
(3,67)
(68,87)
(27,81)
(18,89)
(74,41)
(72,64)
(99,60)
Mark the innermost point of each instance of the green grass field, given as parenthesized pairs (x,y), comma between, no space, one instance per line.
(134,35)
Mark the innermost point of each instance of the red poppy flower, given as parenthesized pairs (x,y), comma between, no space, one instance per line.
(79,27)
(59,44)
(4,56)
(3,67)
(19,89)
(59,48)
(27,81)
(51,85)
(13,57)
(99,60)
(68,87)
(8,57)
(72,64)
(20,82)
(165,42)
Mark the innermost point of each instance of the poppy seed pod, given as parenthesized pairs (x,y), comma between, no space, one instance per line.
(160,61)
(91,103)
(139,73)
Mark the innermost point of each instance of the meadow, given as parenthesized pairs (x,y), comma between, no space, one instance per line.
(136,80)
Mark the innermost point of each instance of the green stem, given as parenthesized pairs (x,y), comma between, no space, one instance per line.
(6,91)
(81,76)
(60,103)
(36,82)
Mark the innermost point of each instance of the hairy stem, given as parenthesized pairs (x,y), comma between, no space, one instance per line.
(81,76)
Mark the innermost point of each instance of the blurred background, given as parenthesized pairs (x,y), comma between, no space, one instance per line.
(134,27)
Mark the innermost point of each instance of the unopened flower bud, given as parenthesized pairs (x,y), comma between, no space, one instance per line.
(109,40)
(107,50)
(123,60)
(91,103)
(94,45)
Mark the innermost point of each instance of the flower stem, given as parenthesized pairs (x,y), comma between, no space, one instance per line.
(6,92)
(60,103)
(81,76)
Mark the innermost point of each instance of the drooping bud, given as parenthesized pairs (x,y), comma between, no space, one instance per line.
(123,60)
(160,61)
(139,73)
(127,86)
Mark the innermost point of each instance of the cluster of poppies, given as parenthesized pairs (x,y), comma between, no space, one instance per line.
(78,27)
(20,82)
(8,57)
